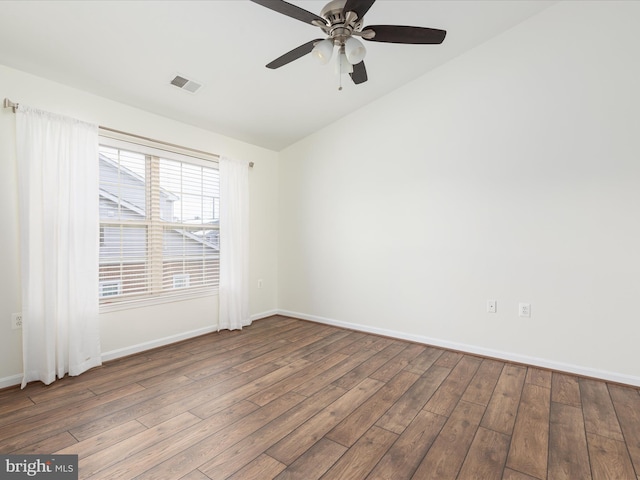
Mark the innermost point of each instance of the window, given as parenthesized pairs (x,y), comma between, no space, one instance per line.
(159,223)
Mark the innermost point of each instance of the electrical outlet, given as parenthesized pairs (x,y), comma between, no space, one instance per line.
(492,306)
(524,309)
(259,283)
(16,321)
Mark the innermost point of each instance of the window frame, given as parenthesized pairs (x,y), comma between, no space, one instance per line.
(159,294)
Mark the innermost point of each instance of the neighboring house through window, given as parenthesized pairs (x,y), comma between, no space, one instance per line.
(159,223)
(110,288)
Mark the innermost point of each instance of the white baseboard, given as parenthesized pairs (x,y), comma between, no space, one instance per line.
(268,313)
(485,352)
(123,352)
(11,381)
(160,342)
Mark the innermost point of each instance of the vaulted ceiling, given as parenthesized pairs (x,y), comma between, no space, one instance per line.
(129,51)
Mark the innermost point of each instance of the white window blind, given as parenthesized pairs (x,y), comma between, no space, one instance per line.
(159,223)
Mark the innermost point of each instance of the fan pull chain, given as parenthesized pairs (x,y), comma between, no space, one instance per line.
(339,73)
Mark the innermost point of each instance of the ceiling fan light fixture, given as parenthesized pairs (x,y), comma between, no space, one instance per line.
(322,51)
(354,50)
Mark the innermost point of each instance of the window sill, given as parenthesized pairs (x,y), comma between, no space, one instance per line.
(156,300)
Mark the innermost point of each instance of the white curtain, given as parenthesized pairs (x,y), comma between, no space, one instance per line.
(58,206)
(234,244)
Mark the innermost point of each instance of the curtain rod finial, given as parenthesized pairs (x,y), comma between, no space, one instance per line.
(9,104)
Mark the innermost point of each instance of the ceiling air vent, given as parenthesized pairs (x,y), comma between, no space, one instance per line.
(186,84)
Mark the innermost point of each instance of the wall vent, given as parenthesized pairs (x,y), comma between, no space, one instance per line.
(186,84)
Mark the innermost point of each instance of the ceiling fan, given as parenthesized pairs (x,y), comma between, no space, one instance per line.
(342,21)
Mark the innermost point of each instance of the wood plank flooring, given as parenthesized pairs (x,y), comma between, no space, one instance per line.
(290,399)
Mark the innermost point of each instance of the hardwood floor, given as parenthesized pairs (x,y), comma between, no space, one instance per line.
(290,399)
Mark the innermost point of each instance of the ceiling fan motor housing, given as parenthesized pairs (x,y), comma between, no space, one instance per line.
(340,26)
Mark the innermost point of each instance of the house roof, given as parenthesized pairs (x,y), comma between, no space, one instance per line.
(130,51)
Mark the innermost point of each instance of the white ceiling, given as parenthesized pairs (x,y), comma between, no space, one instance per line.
(129,51)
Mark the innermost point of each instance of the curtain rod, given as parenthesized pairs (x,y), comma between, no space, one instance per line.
(14,106)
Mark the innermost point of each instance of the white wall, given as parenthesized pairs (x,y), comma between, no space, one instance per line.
(510,173)
(128,330)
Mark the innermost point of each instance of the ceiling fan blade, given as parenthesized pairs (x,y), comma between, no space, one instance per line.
(294,54)
(402,34)
(358,6)
(292,11)
(359,74)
